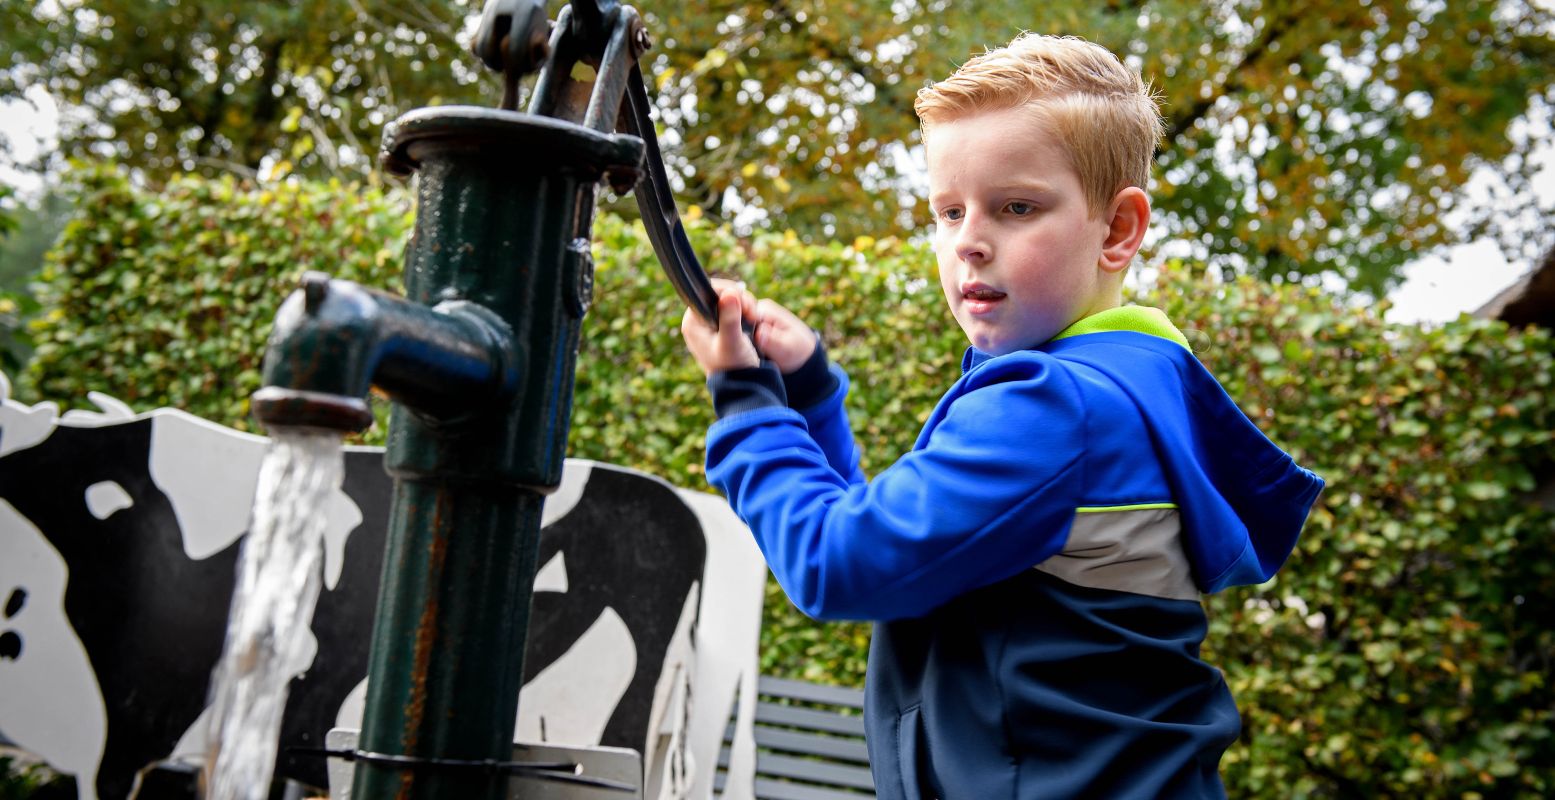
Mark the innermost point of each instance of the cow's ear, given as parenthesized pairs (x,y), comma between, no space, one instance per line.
(575,476)
(22,426)
(209,473)
(110,410)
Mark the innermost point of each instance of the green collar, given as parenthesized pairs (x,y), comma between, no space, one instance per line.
(1140,319)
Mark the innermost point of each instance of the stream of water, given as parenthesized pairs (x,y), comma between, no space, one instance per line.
(268,634)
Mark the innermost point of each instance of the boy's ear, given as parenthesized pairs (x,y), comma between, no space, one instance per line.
(1127,218)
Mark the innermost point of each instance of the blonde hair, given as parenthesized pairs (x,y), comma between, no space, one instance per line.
(1104,114)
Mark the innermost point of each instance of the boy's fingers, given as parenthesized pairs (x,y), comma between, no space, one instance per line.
(725,286)
(693,322)
(732,338)
(775,313)
(747,300)
(730,309)
(694,330)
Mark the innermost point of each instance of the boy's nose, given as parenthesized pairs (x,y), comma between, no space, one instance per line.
(971,243)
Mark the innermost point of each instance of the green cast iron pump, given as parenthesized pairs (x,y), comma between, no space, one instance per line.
(478,358)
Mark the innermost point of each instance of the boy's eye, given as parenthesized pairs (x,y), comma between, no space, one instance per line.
(1020,208)
(951,214)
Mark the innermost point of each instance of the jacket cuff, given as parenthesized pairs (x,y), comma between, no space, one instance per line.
(813,382)
(747,389)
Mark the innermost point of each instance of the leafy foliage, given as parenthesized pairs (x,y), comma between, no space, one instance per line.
(1304,137)
(166,298)
(7,214)
(225,86)
(14,344)
(1403,650)
(33,227)
(21,780)
(16,311)
(26,233)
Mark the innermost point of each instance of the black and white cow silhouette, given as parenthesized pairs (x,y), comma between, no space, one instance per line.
(119,535)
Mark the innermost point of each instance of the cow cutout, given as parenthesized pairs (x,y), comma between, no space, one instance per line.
(119,535)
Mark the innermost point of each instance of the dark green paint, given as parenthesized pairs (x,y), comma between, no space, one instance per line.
(479,358)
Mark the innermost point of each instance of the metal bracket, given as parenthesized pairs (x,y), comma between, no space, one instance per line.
(610,38)
(513,39)
(557,771)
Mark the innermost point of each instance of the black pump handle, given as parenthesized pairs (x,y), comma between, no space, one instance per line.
(660,216)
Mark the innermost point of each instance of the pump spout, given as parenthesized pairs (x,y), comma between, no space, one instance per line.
(334,339)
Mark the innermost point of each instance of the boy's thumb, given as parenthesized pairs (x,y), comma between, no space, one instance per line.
(728,314)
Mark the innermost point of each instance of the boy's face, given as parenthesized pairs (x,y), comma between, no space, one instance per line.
(1018,249)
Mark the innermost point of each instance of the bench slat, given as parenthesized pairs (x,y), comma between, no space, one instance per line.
(817,771)
(795,759)
(782,790)
(810,692)
(774,714)
(812,745)
(830,747)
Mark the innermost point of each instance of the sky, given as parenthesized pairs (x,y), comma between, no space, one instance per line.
(1437,288)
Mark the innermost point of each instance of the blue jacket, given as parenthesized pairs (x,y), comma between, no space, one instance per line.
(1034,563)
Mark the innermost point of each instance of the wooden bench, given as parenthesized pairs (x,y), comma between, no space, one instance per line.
(809,743)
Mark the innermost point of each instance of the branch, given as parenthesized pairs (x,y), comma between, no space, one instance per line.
(423,19)
(1116,7)
(266,103)
(451,33)
(845,56)
(241,170)
(1347,787)
(322,144)
(369,19)
(1272,32)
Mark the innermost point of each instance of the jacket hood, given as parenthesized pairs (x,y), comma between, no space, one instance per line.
(1242,500)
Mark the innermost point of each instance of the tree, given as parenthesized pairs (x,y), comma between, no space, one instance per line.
(33,227)
(175,86)
(8,221)
(1304,138)
(26,234)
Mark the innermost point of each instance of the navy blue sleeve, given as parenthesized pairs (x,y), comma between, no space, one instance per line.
(738,390)
(817,390)
(827,421)
(813,382)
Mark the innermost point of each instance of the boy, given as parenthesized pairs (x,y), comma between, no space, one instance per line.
(1034,565)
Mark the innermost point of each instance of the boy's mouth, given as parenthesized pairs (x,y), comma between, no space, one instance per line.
(980,298)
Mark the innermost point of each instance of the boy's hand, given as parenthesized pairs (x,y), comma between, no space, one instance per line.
(728,347)
(782,337)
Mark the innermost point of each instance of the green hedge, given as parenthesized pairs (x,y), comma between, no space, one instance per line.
(166,298)
(1403,650)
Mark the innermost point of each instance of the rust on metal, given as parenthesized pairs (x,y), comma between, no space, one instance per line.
(428,629)
(275,406)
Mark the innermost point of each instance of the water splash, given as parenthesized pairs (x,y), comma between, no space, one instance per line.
(268,635)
